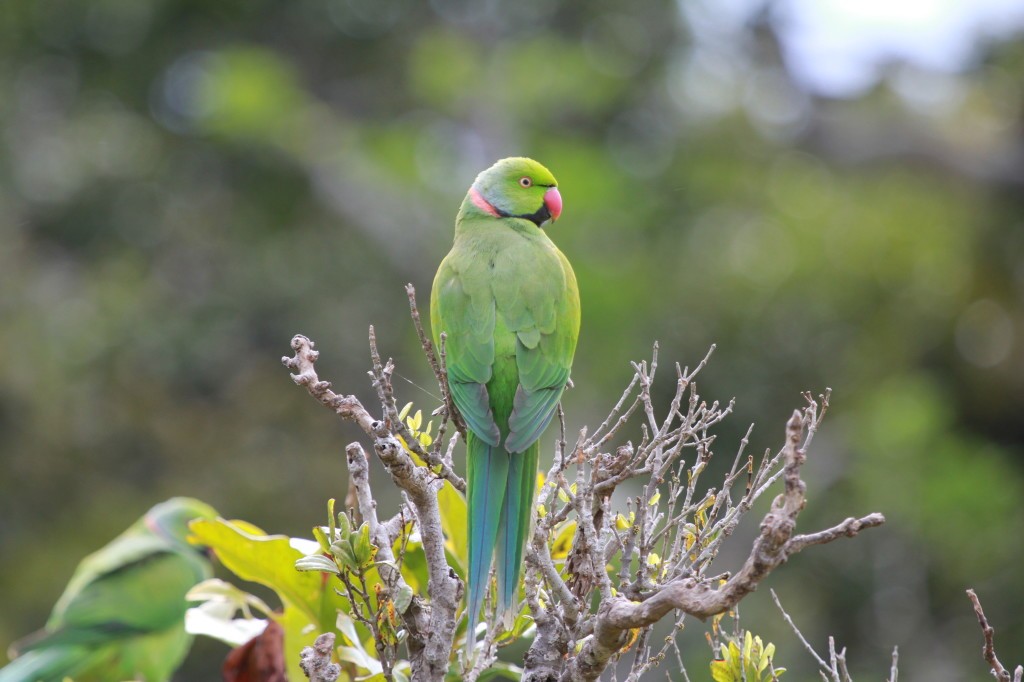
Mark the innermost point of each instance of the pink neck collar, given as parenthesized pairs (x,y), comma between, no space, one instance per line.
(481,203)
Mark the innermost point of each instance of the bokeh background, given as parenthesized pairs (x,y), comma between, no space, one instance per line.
(831,191)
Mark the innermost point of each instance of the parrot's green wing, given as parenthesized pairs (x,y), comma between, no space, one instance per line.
(135,544)
(466,315)
(144,594)
(543,308)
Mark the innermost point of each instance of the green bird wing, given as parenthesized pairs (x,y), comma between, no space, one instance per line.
(136,584)
(541,305)
(466,314)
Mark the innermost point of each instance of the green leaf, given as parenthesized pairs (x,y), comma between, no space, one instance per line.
(735,661)
(766,656)
(310,604)
(359,656)
(216,619)
(330,518)
(344,525)
(342,550)
(218,590)
(321,538)
(564,534)
(414,566)
(270,561)
(721,672)
(299,632)
(347,627)
(403,598)
(453,522)
(363,549)
(317,562)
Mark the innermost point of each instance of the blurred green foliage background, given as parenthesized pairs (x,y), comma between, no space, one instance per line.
(185,184)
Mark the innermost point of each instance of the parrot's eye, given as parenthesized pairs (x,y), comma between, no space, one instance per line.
(525,182)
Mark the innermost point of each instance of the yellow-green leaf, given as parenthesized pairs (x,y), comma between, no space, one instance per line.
(310,604)
(363,549)
(321,537)
(563,541)
(268,560)
(453,523)
(317,562)
(720,672)
(330,518)
(622,523)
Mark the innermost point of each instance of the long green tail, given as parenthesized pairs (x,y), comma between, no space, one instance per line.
(487,468)
(515,526)
(501,488)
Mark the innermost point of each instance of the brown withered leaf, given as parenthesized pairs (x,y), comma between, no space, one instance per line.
(261,659)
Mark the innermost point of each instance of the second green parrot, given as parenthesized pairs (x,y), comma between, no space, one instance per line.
(507,300)
(122,615)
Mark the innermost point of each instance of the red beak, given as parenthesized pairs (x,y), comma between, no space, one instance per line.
(553,200)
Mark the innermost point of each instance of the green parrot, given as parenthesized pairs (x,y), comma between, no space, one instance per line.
(507,299)
(122,615)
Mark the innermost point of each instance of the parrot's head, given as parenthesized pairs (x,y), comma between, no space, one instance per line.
(517,187)
(170,519)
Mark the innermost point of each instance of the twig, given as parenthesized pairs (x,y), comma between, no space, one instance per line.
(485,657)
(381,374)
(989,648)
(799,635)
(436,364)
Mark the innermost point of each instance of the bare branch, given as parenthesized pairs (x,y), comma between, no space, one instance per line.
(359,476)
(799,635)
(381,374)
(989,648)
(618,615)
(665,543)
(440,373)
(848,528)
(486,656)
(429,661)
(836,669)
(304,374)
